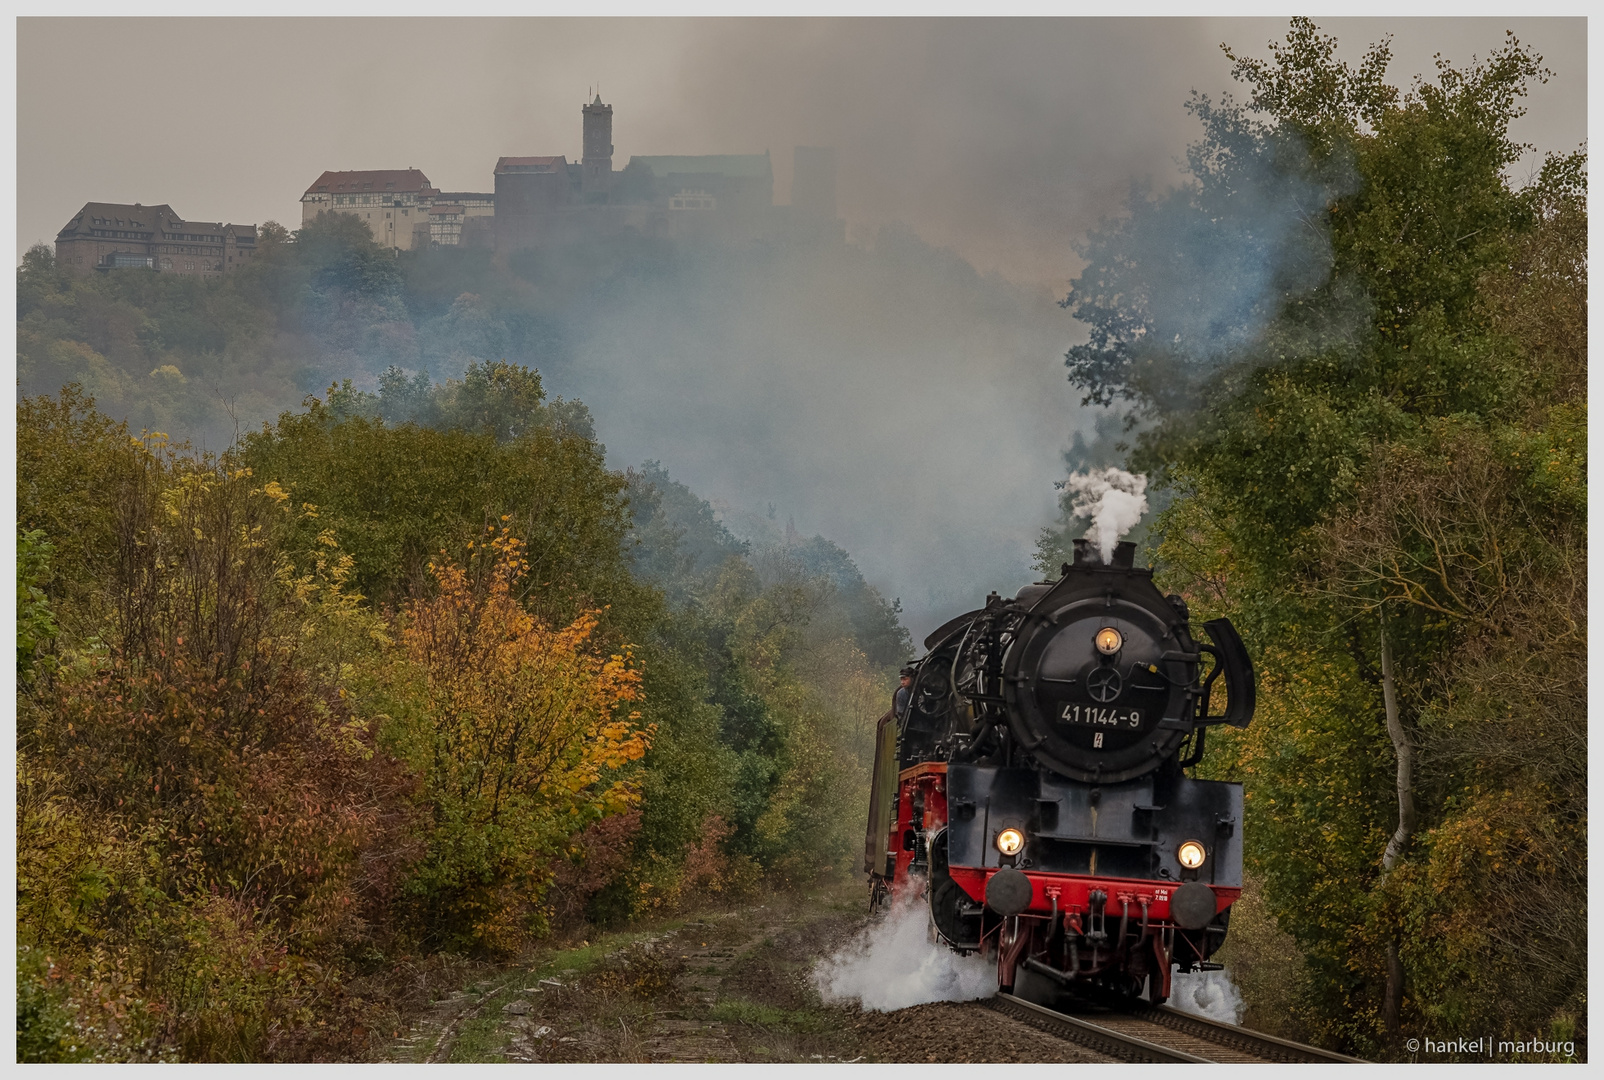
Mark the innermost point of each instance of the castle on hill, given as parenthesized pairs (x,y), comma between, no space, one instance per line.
(541,200)
(536,201)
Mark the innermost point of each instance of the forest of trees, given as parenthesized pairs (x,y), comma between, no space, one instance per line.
(1374,462)
(367,689)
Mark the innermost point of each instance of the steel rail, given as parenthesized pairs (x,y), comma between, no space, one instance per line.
(1104,1040)
(1252,1042)
(1125,1046)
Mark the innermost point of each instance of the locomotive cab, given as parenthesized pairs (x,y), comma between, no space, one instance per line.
(1036,792)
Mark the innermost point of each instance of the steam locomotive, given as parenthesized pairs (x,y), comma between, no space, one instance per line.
(1034,787)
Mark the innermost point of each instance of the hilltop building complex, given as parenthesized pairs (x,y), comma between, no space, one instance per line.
(547,199)
(400,207)
(106,236)
(537,201)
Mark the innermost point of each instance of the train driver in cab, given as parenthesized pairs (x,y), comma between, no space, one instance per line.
(899,704)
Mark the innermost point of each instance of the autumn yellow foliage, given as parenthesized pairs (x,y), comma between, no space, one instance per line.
(530,734)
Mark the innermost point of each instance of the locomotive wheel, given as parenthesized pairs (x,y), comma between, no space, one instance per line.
(947,900)
(879,896)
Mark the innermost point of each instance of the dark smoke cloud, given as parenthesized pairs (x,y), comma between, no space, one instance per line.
(887,397)
(1002,139)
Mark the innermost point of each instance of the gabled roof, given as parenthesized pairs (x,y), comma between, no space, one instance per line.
(128,216)
(373,181)
(743,166)
(530,164)
(445,208)
(153,220)
(465,196)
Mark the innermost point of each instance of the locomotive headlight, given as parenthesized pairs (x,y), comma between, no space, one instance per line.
(1190,854)
(1009,841)
(1109,641)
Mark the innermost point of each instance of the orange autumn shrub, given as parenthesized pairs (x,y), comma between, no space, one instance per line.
(525,736)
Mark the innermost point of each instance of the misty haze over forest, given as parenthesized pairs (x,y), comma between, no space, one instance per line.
(902,394)
(889,398)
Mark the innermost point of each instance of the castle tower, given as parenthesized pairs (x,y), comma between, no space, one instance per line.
(596,172)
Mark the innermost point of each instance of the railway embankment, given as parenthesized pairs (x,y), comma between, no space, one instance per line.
(722,986)
(735,986)
(717,986)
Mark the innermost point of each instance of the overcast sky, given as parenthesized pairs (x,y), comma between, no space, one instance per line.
(1001,138)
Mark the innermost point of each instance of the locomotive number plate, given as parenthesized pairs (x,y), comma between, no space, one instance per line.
(1092,715)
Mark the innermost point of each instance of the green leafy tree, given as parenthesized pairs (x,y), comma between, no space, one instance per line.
(422,490)
(1317,336)
(35,625)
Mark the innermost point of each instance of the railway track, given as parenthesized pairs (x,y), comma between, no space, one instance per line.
(1163,1035)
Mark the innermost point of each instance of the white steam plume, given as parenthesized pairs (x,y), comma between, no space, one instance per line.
(894,964)
(1209,994)
(1113,499)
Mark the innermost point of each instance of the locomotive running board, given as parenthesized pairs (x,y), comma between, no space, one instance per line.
(1116,1044)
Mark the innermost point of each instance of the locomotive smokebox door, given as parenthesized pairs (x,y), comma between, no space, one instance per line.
(1098,679)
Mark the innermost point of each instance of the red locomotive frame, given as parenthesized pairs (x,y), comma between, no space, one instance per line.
(1054,896)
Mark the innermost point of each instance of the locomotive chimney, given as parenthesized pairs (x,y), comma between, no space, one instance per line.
(1084,555)
(1124,555)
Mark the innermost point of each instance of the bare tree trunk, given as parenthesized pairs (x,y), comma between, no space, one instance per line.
(1405,753)
(1392,1003)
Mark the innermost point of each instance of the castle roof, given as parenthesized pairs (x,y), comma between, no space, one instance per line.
(98,215)
(375,180)
(176,228)
(133,217)
(207,228)
(745,166)
(530,164)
